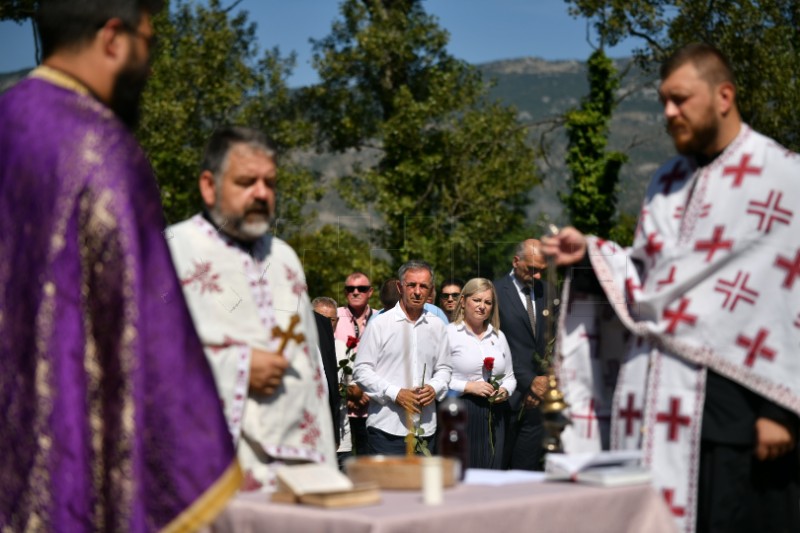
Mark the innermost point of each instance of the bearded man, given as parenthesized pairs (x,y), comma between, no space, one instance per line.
(241,282)
(697,364)
(102,375)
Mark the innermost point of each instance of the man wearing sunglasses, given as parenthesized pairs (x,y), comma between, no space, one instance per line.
(448,296)
(353,319)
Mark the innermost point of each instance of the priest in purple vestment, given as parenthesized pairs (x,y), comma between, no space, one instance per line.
(111,419)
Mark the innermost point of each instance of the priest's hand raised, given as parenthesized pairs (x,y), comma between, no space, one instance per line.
(266,371)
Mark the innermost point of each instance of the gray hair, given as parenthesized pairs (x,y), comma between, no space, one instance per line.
(324,301)
(416,264)
(215,157)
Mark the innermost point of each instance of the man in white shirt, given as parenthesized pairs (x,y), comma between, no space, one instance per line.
(403,364)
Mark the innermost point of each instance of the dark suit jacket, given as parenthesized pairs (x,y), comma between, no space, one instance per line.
(522,341)
(330,364)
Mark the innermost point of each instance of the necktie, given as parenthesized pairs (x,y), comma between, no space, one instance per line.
(529,307)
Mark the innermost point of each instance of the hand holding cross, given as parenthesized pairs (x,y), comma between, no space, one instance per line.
(288,334)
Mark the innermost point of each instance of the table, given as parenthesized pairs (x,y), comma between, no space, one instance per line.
(529,507)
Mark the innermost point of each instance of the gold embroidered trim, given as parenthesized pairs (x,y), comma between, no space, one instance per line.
(205,508)
(57,77)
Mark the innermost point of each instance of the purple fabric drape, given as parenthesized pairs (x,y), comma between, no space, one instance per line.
(111,420)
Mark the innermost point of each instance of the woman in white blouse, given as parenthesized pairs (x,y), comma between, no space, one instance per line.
(482,371)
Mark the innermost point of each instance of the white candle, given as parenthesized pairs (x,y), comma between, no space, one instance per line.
(432,481)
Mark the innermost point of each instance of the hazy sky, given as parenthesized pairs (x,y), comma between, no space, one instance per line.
(480,31)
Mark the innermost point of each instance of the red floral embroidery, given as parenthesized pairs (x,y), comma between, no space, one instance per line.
(250,483)
(203,276)
(227,342)
(309,424)
(320,387)
(298,287)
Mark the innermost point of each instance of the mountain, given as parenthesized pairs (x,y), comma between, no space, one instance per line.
(541,91)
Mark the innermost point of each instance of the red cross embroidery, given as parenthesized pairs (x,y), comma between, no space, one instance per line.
(792,268)
(669,280)
(673,176)
(678,211)
(629,414)
(590,417)
(673,418)
(630,287)
(715,243)
(736,290)
(679,315)
(653,246)
(755,347)
(741,171)
(668,495)
(770,211)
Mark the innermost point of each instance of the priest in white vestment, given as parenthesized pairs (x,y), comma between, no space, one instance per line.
(687,349)
(243,285)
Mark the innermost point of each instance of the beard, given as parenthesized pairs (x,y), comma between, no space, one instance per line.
(243,227)
(694,140)
(126,94)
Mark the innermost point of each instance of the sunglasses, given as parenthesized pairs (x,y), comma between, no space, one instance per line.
(448,295)
(353,288)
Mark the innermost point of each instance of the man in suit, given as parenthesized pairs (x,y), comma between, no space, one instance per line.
(521,299)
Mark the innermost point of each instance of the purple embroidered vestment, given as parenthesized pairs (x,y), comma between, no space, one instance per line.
(111,420)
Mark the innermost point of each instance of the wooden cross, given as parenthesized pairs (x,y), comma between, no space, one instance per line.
(289,333)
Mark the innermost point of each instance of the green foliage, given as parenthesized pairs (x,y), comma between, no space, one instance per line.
(592,199)
(207,73)
(17,10)
(759,37)
(454,169)
(330,254)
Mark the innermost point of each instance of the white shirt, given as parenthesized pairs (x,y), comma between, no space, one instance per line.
(468,353)
(383,367)
(521,293)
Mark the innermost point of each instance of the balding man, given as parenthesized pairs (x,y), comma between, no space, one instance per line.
(521,299)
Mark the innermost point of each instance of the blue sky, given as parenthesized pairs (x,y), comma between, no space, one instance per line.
(480,31)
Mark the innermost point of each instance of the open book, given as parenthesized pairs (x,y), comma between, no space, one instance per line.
(321,485)
(606,468)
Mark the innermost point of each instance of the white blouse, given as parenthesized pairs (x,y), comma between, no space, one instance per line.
(468,353)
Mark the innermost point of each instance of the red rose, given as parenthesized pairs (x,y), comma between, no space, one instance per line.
(352,342)
(488,364)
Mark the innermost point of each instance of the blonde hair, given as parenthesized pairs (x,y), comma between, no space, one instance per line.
(473,286)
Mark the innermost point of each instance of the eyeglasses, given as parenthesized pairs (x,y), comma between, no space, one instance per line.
(449,295)
(353,288)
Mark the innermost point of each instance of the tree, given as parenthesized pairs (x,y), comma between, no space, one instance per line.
(760,38)
(17,10)
(592,200)
(454,170)
(206,73)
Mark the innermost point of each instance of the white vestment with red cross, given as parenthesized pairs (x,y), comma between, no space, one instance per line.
(236,298)
(711,281)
